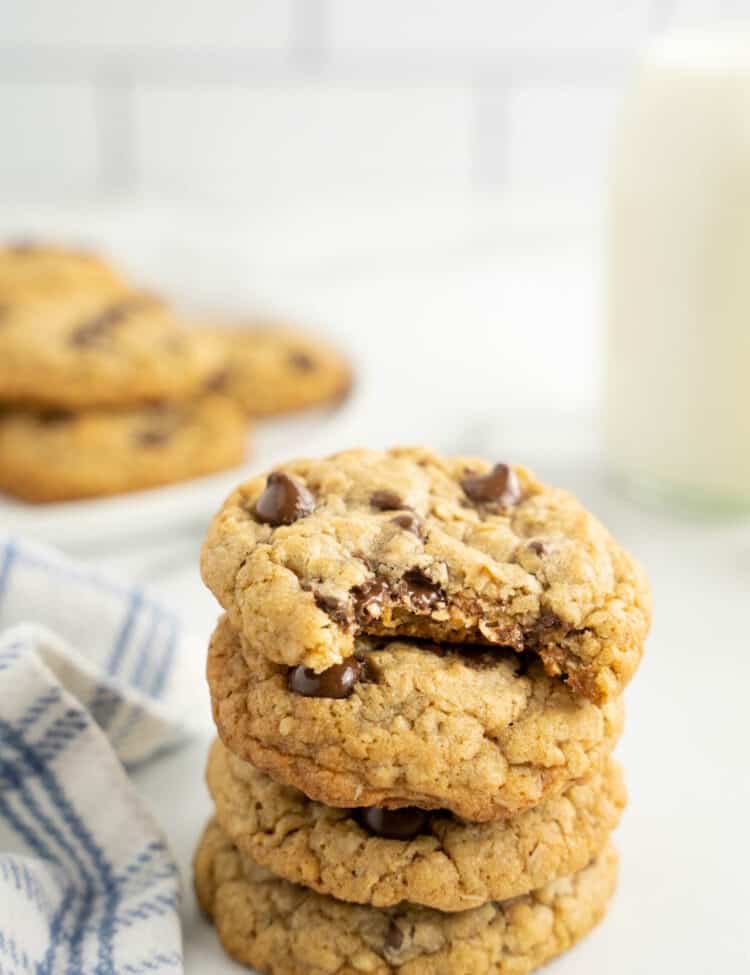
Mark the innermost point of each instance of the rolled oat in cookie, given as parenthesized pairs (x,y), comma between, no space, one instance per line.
(286,929)
(476,730)
(406,543)
(384,856)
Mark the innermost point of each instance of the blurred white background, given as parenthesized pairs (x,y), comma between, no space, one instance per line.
(395,171)
(246,100)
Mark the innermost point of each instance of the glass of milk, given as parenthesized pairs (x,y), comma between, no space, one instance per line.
(677,389)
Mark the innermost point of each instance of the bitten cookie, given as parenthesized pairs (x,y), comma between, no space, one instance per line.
(53,456)
(284,929)
(382,857)
(275,369)
(406,543)
(482,732)
(98,347)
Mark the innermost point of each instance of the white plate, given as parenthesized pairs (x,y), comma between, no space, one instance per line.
(143,513)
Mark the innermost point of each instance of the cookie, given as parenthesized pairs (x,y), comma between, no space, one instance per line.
(483,733)
(406,543)
(381,857)
(98,347)
(53,456)
(285,929)
(34,268)
(275,369)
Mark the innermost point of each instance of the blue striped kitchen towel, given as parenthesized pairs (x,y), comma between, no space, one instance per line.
(87,882)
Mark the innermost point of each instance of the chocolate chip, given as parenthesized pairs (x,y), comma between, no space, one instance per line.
(538,548)
(164,421)
(161,407)
(369,598)
(152,438)
(23,247)
(284,500)
(99,327)
(337,681)
(334,607)
(419,591)
(409,522)
(54,418)
(218,382)
(394,824)
(500,486)
(302,361)
(394,937)
(547,621)
(386,500)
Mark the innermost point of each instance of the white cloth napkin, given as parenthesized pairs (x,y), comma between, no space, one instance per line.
(87,882)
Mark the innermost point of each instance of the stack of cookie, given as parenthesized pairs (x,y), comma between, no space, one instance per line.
(417,687)
(102,388)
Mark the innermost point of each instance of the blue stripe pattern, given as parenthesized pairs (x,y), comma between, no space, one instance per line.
(87,882)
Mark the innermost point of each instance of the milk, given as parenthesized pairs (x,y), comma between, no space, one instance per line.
(677,391)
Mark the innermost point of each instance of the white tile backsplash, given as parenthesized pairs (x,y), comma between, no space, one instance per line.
(240,100)
(691,14)
(485,27)
(311,139)
(49,139)
(149,24)
(559,138)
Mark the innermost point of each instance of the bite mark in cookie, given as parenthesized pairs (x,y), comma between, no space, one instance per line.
(472,553)
(458,728)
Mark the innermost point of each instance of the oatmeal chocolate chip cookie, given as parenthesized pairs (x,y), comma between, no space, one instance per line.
(381,857)
(481,732)
(53,456)
(32,268)
(275,369)
(98,347)
(285,929)
(406,543)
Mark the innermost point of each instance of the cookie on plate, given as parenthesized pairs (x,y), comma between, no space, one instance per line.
(92,347)
(57,455)
(382,857)
(276,369)
(32,268)
(285,929)
(483,732)
(406,543)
